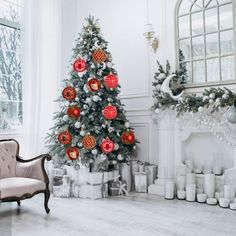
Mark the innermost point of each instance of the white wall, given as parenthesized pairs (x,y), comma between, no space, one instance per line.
(122,23)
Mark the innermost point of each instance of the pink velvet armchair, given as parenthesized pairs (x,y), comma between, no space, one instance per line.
(21,179)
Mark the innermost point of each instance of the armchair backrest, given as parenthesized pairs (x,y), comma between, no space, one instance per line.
(9,149)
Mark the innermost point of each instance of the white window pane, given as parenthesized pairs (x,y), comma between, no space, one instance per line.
(198,47)
(197,6)
(187,66)
(184,46)
(211,20)
(9,10)
(197,23)
(226,17)
(184,7)
(198,72)
(213,70)
(224,1)
(10,115)
(184,29)
(212,45)
(210,3)
(227,68)
(227,42)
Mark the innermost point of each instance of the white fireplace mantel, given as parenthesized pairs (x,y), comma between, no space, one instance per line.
(176,136)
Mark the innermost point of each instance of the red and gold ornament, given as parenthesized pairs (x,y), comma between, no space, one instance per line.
(69,93)
(89,141)
(72,153)
(99,56)
(109,112)
(128,137)
(64,137)
(79,65)
(107,146)
(73,112)
(94,85)
(111,81)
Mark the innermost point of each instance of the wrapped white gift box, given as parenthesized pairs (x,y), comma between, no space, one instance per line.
(140,179)
(95,178)
(151,171)
(125,173)
(57,177)
(110,175)
(93,191)
(83,175)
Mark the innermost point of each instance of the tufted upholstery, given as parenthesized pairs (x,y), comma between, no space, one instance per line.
(8,152)
(19,178)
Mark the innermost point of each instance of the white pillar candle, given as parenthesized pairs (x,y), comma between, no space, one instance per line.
(209,185)
(232,206)
(181,194)
(181,182)
(190,179)
(211,201)
(201,197)
(169,189)
(229,192)
(224,202)
(191,192)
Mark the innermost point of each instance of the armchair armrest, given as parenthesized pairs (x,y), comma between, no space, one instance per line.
(32,168)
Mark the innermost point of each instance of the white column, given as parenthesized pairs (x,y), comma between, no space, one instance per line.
(166,137)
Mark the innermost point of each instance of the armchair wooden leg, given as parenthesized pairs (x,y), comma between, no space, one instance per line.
(18,203)
(46,198)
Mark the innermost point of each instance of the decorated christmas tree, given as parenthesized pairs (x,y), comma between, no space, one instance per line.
(91,127)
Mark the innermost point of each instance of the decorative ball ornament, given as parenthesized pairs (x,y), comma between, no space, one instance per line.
(65,137)
(107,146)
(72,153)
(111,81)
(109,112)
(89,142)
(73,112)
(99,56)
(69,93)
(128,137)
(127,124)
(65,118)
(93,85)
(231,115)
(79,65)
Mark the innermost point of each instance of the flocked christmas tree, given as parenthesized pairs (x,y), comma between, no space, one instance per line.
(91,126)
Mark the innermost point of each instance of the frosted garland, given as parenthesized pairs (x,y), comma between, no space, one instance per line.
(219,128)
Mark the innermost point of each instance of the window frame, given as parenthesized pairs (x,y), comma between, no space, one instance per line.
(17,131)
(220,82)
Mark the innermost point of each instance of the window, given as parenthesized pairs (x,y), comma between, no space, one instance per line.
(205,41)
(11,114)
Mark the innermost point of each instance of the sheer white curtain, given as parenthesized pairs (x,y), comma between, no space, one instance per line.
(41,70)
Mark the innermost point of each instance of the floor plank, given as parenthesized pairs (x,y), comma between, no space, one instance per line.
(143,214)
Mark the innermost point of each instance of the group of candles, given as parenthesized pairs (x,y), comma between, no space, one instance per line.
(188,189)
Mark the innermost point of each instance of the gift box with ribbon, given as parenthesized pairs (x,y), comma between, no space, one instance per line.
(140,180)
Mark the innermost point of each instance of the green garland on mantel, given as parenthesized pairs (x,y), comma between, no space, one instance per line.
(213,98)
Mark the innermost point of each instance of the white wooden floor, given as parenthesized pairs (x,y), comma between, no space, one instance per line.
(142,215)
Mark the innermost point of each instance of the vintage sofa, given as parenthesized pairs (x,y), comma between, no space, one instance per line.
(21,179)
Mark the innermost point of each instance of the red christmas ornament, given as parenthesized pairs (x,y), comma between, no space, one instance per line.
(80,65)
(111,81)
(107,146)
(99,56)
(69,93)
(93,85)
(109,112)
(89,142)
(65,137)
(72,153)
(73,112)
(128,137)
